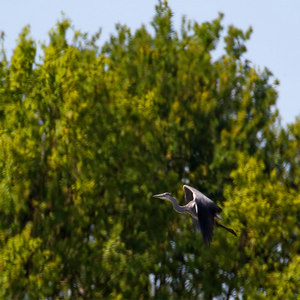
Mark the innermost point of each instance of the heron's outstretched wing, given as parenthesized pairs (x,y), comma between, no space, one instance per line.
(206,220)
(189,196)
(195,194)
(206,210)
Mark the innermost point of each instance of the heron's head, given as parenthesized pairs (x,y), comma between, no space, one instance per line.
(164,196)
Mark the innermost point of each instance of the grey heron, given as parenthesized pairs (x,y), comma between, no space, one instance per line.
(203,211)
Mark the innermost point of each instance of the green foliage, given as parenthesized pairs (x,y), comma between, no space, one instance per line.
(266,214)
(88,134)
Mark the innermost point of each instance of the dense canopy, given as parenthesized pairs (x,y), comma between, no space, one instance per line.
(89,133)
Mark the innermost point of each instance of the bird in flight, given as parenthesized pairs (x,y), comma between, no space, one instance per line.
(204,212)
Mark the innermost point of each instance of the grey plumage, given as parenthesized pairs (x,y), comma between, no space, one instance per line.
(202,210)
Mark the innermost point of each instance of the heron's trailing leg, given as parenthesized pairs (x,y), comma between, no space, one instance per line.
(226,228)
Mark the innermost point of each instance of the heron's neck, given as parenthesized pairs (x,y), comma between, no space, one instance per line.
(177,207)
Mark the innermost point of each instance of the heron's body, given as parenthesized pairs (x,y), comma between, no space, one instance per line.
(203,211)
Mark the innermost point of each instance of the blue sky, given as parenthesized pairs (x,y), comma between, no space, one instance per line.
(275,42)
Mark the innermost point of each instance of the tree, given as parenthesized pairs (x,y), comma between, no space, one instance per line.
(89,133)
(267,212)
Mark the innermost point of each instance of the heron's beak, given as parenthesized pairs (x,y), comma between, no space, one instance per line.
(158,196)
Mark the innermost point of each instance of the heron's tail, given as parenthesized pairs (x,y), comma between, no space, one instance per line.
(226,228)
